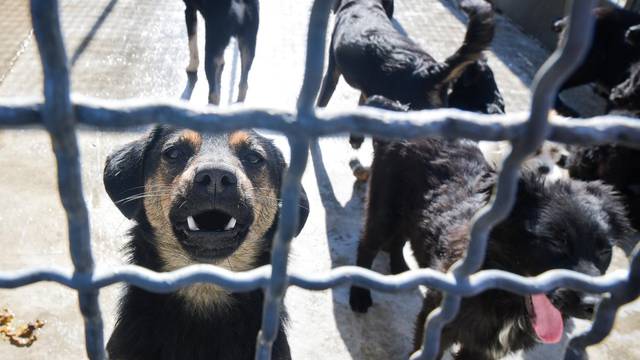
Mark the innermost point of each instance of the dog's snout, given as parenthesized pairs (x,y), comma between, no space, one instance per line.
(544,169)
(215,179)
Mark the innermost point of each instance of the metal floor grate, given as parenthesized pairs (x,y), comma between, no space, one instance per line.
(60,113)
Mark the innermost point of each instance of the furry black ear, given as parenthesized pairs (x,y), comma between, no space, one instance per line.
(124,175)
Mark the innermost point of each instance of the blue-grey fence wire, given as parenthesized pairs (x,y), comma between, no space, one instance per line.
(60,113)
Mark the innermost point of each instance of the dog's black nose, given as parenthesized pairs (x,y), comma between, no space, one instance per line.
(215,179)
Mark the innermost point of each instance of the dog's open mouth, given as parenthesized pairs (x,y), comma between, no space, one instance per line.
(211,233)
(545,318)
(212,220)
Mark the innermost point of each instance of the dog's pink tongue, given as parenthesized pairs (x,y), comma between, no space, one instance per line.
(547,321)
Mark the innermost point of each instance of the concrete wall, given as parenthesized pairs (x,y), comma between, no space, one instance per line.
(535,16)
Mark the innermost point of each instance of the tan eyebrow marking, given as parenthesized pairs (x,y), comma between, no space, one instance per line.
(192,137)
(238,138)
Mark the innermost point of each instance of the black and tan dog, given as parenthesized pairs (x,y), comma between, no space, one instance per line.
(223,19)
(427,191)
(196,198)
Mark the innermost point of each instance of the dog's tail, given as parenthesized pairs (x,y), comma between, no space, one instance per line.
(477,39)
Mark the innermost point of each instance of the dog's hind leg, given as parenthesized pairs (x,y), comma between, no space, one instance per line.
(329,82)
(247,46)
(379,232)
(396,258)
(191,17)
(214,64)
(360,298)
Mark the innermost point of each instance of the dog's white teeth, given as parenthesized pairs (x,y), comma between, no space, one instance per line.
(192,224)
(231,224)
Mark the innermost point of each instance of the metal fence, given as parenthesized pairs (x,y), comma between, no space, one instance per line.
(60,114)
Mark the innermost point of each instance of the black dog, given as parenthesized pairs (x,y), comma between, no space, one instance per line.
(196,199)
(223,19)
(611,54)
(427,191)
(378,60)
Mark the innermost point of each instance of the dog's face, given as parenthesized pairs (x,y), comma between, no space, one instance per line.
(567,225)
(207,198)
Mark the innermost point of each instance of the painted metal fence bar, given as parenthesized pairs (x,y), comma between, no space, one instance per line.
(60,113)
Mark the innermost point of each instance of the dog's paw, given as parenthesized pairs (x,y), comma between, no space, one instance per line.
(360,299)
(359,171)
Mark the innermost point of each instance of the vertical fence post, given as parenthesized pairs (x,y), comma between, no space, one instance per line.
(58,118)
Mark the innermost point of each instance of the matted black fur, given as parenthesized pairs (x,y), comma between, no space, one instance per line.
(223,19)
(427,190)
(162,180)
(378,60)
(610,56)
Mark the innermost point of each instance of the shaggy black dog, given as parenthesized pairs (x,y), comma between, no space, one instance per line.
(378,60)
(612,52)
(223,19)
(427,190)
(196,198)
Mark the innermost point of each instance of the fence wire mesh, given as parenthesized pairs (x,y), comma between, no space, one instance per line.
(60,113)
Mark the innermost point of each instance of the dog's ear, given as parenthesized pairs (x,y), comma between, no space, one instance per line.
(124,175)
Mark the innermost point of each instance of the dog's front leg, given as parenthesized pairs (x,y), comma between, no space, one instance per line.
(191,17)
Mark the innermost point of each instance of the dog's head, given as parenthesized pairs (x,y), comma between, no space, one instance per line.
(476,90)
(387,5)
(210,198)
(563,224)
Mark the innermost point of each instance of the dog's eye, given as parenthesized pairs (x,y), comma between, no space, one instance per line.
(253,158)
(172,153)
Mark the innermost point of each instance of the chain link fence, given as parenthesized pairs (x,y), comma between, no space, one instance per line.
(60,113)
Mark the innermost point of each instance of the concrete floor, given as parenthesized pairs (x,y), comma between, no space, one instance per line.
(137,48)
